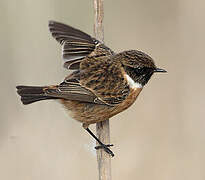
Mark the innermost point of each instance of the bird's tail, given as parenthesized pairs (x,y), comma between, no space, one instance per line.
(31,94)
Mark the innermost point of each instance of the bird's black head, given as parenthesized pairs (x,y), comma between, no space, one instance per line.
(138,65)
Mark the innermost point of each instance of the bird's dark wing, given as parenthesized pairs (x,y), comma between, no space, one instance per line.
(73,91)
(76,45)
(96,79)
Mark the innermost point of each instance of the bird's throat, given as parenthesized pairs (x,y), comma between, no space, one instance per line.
(132,83)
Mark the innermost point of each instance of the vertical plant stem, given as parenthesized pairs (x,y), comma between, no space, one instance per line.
(102,128)
(98,23)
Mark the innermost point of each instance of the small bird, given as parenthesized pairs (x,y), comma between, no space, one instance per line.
(101,84)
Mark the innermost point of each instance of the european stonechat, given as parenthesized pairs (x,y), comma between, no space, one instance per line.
(102,83)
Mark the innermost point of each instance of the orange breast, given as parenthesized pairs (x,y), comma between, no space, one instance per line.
(128,102)
(91,113)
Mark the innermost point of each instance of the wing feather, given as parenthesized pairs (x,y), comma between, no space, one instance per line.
(76,44)
(73,91)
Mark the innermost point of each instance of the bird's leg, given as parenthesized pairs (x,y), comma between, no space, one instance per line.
(101,145)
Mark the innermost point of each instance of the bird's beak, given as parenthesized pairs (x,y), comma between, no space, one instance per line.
(160,70)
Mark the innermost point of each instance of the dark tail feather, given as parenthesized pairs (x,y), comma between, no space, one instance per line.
(31,94)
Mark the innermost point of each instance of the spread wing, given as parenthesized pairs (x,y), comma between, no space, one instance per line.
(96,79)
(76,45)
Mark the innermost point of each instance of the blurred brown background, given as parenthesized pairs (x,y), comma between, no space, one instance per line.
(161,137)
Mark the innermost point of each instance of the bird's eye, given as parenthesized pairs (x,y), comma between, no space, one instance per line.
(140,70)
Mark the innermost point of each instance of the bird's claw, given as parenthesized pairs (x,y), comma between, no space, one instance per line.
(106,148)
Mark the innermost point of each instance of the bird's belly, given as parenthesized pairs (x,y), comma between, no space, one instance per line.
(91,113)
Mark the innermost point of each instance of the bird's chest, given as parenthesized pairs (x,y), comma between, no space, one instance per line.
(134,92)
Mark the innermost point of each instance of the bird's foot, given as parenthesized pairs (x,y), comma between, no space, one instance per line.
(106,148)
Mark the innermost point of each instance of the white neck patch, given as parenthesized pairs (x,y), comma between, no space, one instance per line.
(133,84)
